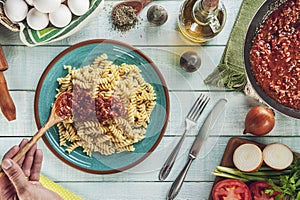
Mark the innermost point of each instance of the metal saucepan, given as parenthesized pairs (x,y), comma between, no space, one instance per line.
(263,12)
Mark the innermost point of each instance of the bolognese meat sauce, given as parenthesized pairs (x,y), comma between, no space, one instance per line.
(64,105)
(87,108)
(275,57)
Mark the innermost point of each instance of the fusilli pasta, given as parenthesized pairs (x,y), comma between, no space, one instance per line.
(117,134)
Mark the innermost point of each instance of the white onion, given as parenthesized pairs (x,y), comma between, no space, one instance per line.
(278,156)
(248,157)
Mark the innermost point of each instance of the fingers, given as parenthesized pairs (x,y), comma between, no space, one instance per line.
(21,145)
(37,165)
(15,174)
(31,162)
(14,150)
(28,160)
(11,152)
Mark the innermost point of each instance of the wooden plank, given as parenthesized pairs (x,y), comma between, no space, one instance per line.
(25,62)
(137,190)
(143,34)
(163,45)
(27,65)
(231,123)
(24,125)
(147,171)
(144,172)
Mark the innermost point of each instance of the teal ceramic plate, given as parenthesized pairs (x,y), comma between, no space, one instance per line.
(83,54)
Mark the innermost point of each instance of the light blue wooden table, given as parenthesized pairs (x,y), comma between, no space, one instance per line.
(163,45)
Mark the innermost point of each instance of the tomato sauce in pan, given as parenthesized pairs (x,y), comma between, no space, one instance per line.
(275,54)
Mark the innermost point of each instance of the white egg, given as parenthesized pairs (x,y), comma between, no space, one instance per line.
(61,17)
(79,7)
(37,20)
(46,6)
(29,2)
(15,10)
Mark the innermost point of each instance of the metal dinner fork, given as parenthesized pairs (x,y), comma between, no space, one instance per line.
(190,121)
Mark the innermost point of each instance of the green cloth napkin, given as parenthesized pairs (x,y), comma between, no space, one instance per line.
(230,71)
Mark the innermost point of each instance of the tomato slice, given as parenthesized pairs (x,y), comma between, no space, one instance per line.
(258,191)
(230,189)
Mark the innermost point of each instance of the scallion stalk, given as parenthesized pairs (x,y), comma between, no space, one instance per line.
(225,175)
(264,175)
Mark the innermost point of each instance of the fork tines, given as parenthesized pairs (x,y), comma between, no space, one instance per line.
(198,107)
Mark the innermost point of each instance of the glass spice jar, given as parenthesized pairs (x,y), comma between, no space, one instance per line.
(201,20)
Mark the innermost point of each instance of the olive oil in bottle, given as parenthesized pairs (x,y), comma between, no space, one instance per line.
(201,20)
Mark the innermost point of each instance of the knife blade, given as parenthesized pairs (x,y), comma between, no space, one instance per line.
(209,123)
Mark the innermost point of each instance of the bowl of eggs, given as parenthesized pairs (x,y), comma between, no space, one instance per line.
(43,21)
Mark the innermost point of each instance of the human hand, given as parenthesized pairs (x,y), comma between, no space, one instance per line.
(22,178)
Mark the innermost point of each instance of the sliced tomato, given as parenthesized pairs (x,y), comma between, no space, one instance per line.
(230,189)
(258,191)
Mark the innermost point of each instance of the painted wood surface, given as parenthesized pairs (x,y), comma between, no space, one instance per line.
(163,45)
(143,34)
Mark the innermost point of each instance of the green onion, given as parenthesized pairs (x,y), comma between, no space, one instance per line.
(286,182)
(259,175)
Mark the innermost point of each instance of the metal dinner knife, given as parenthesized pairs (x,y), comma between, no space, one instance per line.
(195,149)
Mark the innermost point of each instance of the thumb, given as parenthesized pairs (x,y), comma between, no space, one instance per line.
(15,174)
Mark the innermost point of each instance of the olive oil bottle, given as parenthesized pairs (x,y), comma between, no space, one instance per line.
(201,20)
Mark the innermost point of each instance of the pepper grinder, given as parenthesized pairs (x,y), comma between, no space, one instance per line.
(201,20)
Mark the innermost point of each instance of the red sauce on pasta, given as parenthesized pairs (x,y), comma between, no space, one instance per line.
(86,108)
(64,105)
(275,54)
(108,108)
